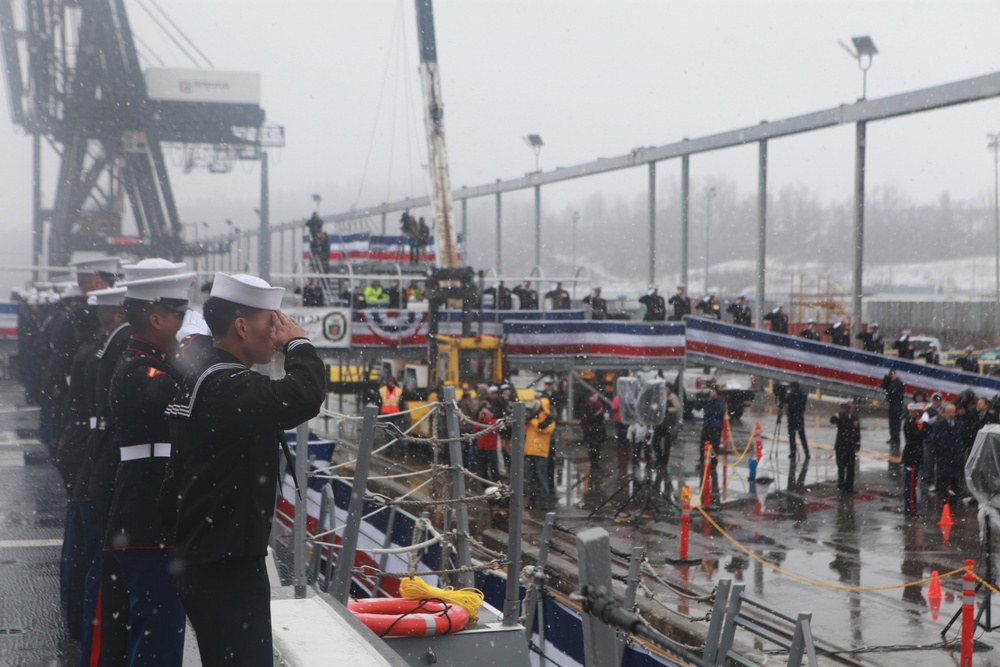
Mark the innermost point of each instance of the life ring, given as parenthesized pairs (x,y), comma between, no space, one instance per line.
(399,617)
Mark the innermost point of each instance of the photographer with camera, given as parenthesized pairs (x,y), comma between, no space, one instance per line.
(792,401)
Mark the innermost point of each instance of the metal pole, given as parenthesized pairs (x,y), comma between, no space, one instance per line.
(341,589)
(458,488)
(685,218)
(510,603)
(383,222)
(465,227)
(301,509)
(37,224)
(995,145)
(531,598)
(538,225)
(600,644)
(652,223)
(859,227)
(264,241)
(708,225)
(499,237)
(761,230)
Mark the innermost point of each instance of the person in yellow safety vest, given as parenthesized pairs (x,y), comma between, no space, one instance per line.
(390,404)
(376,296)
(537,441)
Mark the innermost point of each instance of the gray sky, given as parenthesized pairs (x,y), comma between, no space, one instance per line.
(594,78)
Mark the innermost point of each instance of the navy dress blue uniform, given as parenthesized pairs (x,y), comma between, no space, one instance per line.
(142,545)
(225,425)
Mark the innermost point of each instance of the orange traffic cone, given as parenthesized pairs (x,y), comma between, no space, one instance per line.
(934,595)
(946,519)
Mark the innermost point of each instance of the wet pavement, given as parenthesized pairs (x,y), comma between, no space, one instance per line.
(792,519)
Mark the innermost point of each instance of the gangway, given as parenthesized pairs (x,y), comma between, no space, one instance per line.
(831,368)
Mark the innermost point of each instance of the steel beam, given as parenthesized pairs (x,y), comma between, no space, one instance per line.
(652,222)
(761,230)
(857,286)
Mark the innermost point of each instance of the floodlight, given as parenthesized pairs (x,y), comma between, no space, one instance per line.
(864,46)
(535,141)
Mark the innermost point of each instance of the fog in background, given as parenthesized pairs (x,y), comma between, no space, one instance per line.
(598,78)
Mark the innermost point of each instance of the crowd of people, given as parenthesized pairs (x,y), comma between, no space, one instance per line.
(168,446)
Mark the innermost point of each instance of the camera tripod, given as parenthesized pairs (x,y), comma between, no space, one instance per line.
(645,494)
(986,607)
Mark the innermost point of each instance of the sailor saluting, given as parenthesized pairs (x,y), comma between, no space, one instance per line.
(225,426)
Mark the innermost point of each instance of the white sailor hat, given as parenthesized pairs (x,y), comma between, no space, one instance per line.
(873,325)
(171,291)
(109,266)
(811,321)
(651,289)
(247,291)
(112,297)
(153,267)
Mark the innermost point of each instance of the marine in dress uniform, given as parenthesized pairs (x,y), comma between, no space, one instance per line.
(225,427)
(141,388)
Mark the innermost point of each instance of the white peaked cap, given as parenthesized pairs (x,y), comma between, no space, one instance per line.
(154,267)
(164,288)
(113,296)
(247,291)
(67,289)
(97,265)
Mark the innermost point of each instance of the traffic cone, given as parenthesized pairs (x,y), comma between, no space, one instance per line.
(946,519)
(934,595)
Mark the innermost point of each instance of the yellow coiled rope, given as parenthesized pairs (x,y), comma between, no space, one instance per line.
(469,599)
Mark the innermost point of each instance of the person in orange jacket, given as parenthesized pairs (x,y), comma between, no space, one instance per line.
(537,441)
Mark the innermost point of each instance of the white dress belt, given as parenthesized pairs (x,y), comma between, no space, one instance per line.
(154,450)
(93,422)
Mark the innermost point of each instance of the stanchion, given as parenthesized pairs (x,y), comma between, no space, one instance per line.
(758,445)
(725,432)
(968,613)
(685,521)
(706,478)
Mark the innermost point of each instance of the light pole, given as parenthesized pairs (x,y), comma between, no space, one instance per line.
(864,48)
(319,200)
(994,145)
(709,195)
(535,142)
(576,218)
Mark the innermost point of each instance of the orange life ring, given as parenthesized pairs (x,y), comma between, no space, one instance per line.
(399,617)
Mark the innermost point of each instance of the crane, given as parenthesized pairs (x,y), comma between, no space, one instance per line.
(74,79)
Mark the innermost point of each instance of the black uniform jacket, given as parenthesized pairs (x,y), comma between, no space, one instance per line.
(225,424)
(72,441)
(103,450)
(141,389)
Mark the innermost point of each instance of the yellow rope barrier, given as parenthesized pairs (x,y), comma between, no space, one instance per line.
(745,449)
(985,583)
(704,478)
(821,584)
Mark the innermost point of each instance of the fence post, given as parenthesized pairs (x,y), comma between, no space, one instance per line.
(301,510)
(510,603)
(464,579)
(349,542)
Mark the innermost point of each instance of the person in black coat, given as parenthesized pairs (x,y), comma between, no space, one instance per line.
(741,312)
(527,297)
(871,339)
(905,349)
(967,362)
(846,445)
(778,320)
(839,334)
(656,307)
(598,306)
(501,296)
(949,436)
(592,425)
(794,403)
(895,394)
(810,333)
(226,428)
(559,297)
(709,307)
(681,304)
(713,417)
(913,455)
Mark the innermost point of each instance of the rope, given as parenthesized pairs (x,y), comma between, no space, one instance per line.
(814,582)
(449,501)
(650,595)
(415,424)
(316,537)
(648,569)
(985,583)
(745,450)
(469,599)
(397,476)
